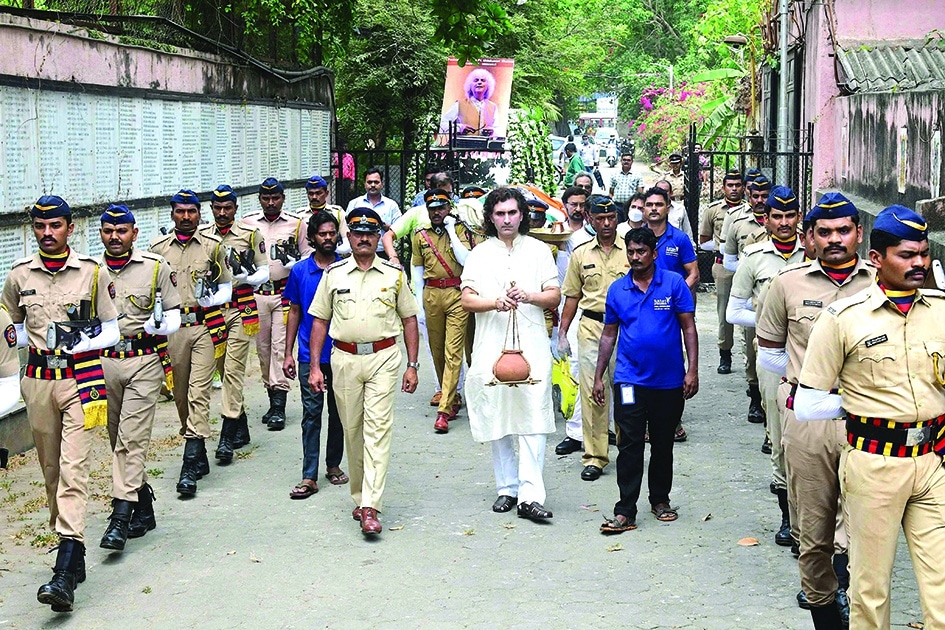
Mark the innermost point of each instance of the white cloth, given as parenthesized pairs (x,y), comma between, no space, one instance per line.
(386,208)
(817,404)
(679,219)
(773,359)
(739,312)
(590,155)
(169,324)
(10,393)
(730,262)
(499,410)
(574,428)
(522,479)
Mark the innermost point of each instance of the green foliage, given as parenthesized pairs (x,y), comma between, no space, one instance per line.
(471,26)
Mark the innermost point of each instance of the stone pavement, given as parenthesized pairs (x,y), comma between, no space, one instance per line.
(241,554)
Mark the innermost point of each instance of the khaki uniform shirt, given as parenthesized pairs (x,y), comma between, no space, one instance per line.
(744,231)
(9,357)
(363,305)
(678,182)
(761,263)
(885,360)
(713,220)
(242,238)
(135,288)
(796,297)
(591,271)
(286,225)
(36,296)
(202,252)
(731,215)
(423,254)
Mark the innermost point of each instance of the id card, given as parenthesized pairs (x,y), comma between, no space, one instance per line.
(627,397)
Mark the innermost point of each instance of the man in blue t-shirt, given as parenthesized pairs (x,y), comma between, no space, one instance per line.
(299,291)
(674,250)
(649,313)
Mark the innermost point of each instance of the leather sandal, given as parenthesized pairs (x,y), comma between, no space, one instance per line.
(504,503)
(304,490)
(533,511)
(663,512)
(336,477)
(618,525)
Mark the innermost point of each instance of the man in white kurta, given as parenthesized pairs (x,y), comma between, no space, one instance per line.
(511,272)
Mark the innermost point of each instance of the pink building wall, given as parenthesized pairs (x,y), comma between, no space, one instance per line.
(858,22)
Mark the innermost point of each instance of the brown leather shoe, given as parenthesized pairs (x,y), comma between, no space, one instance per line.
(442,424)
(435,401)
(356,513)
(370,526)
(454,411)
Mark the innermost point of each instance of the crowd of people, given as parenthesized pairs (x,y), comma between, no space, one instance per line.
(842,354)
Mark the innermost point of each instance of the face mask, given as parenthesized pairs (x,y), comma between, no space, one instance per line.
(590,229)
(635,215)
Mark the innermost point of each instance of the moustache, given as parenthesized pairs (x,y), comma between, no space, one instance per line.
(919,271)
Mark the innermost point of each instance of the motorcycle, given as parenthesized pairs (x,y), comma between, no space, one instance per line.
(611,155)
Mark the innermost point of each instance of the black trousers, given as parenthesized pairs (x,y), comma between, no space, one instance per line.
(657,411)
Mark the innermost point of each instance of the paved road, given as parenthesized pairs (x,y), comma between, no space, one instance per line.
(241,554)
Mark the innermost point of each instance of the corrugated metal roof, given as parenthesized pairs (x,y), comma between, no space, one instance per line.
(891,68)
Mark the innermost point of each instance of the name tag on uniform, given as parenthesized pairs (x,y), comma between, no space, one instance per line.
(591,266)
(627,395)
(28,292)
(343,291)
(814,303)
(876,340)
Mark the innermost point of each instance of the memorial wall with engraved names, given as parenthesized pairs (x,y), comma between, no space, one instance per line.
(93,150)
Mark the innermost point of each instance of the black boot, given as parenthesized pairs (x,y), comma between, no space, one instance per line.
(187,484)
(826,617)
(268,414)
(277,419)
(841,569)
(756,414)
(224,452)
(60,591)
(241,437)
(725,362)
(203,464)
(142,518)
(783,537)
(117,533)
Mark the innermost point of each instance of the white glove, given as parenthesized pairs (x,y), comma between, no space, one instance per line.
(261,276)
(84,345)
(554,349)
(564,346)
(708,246)
(240,278)
(449,222)
(291,263)
(206,301)
(169,324)
(422,318)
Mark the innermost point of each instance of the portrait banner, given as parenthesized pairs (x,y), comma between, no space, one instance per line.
(476,102)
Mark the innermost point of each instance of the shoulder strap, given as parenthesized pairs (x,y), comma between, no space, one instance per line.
(94,289)
(437,253)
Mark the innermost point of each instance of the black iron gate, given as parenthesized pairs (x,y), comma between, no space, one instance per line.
(706,168)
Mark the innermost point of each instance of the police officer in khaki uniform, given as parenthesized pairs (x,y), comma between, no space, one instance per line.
(594,265)
(366,302)
(9,364)
(710,240)
(796,297)
(63,389)
(675,176)
(196,258)
(439,252)
(278,228)
(316,189)
(759,264)
(743,230)
(885,348)
(241,314)
(147,297)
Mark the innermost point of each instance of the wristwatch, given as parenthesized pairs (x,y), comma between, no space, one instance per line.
(413,364)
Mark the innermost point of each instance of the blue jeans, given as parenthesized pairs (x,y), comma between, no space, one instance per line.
(312,405)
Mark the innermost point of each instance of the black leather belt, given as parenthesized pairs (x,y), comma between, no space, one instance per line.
(597,317)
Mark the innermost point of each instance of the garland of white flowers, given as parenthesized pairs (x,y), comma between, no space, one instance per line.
(530,151)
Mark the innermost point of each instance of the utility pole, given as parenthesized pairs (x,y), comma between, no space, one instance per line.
(783,131)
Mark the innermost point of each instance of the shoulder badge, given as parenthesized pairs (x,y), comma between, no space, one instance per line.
(336,264)
(111,290)
(174,278)
(9,334)
(391,265)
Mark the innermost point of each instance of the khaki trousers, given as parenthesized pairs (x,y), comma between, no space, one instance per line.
(270,342)
(723,288)
(364,387)
(133,385)
(595,419)
(751,354)
(812,454)
(446,334)
(232,365)
(769,383)
(62,445)
(881,495)
(191,352)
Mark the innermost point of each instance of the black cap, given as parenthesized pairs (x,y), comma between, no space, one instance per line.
(364,220)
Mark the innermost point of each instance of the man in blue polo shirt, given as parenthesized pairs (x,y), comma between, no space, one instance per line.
(299,291)
(674,250)
(650,312)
